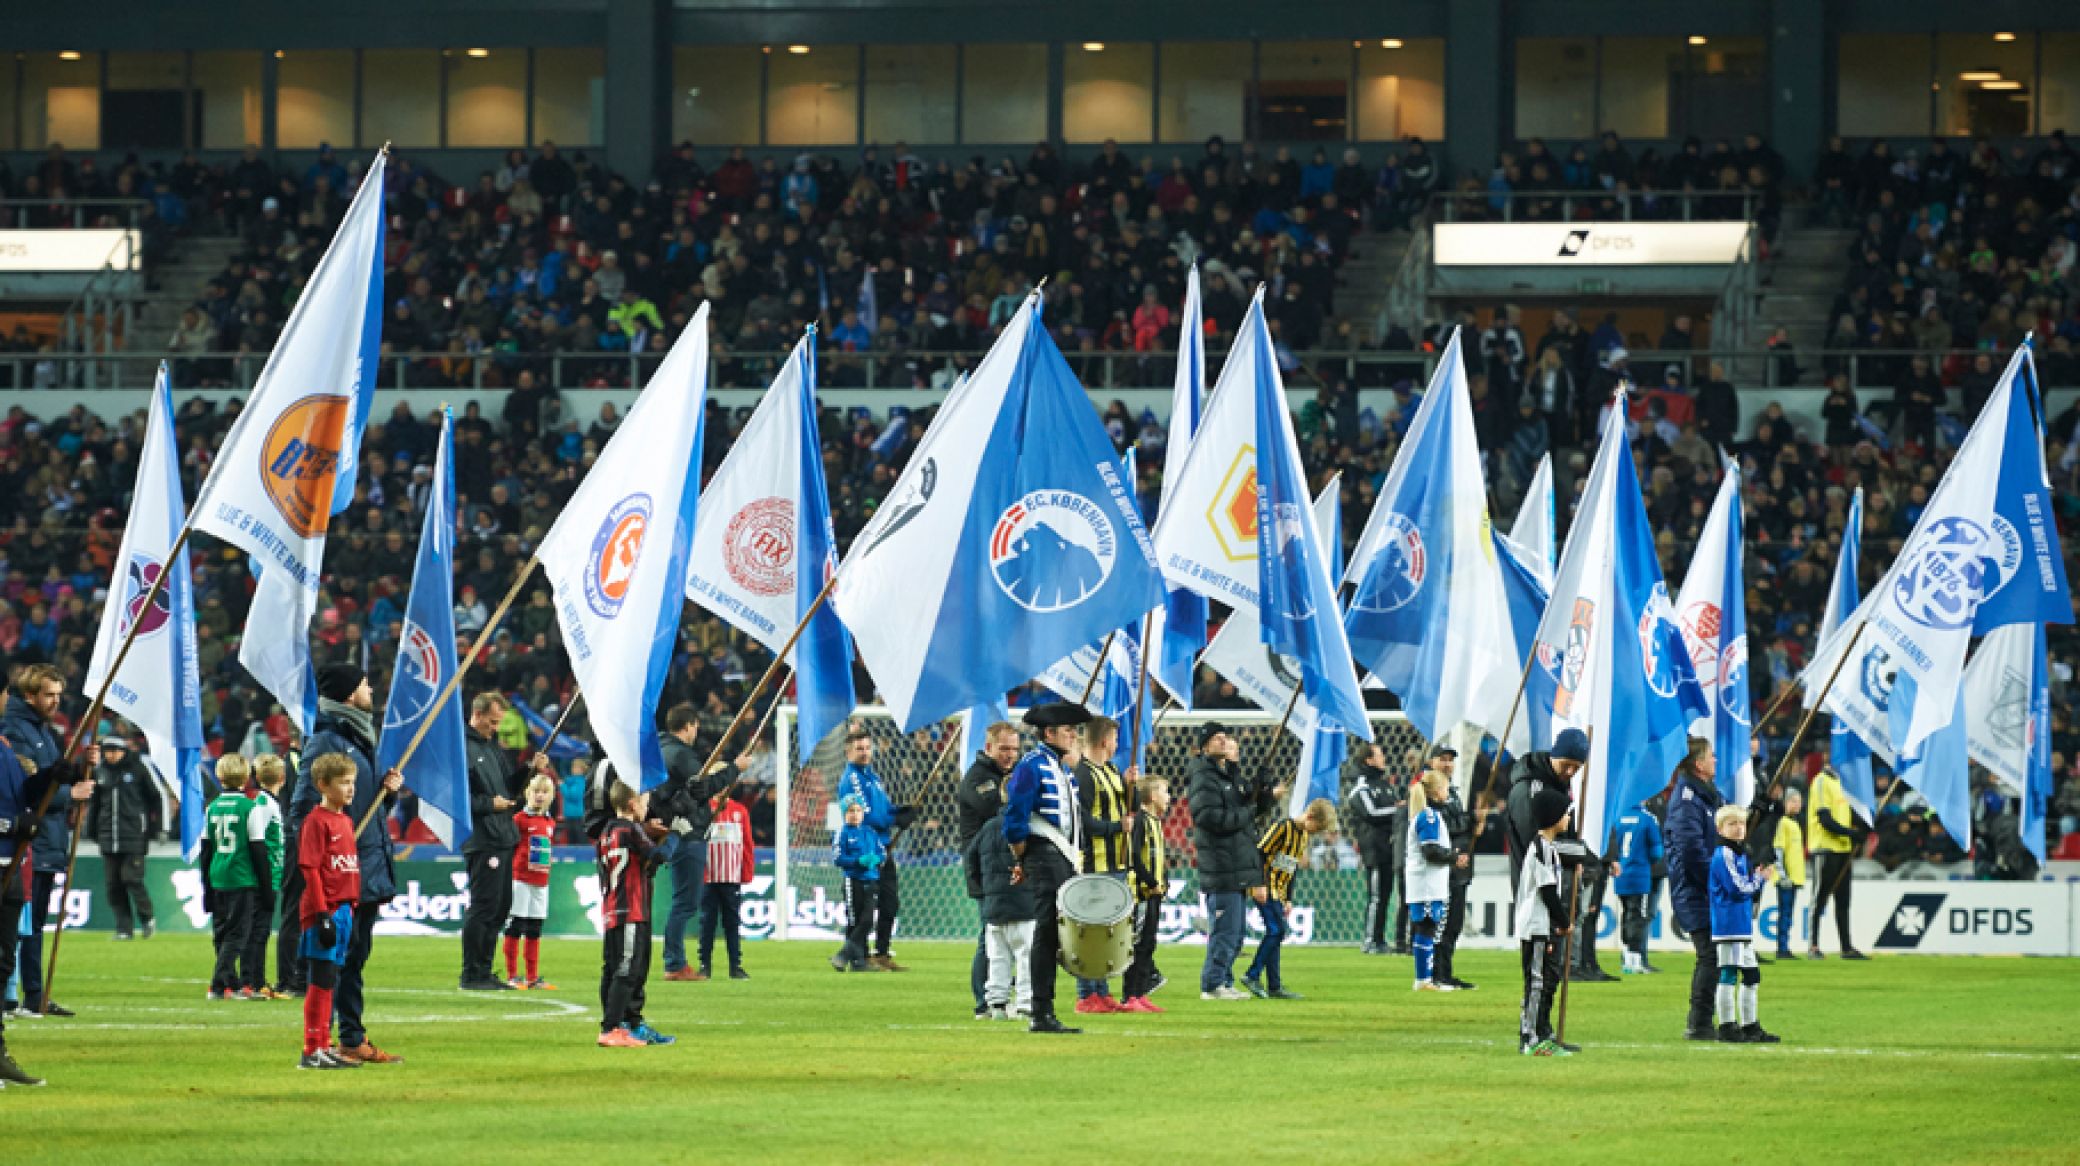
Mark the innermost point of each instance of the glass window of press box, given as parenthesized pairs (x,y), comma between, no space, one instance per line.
(1575,88)
(1964,85)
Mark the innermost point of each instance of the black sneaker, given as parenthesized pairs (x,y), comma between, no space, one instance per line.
(149,928)
(1730,1034)
(739,974)
(486,985)
(124,937)
(1462,985)
(838,964)
(1853,954)
(1755,1034)
(1701,1034)
(1046,1022)
(53,1008)
(12,1073)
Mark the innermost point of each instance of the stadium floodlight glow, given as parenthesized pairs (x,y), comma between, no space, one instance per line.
(1094,46)
(2004,37)
(799,50)
(1392,42)
(69,55)
(476,54)
(1697,41)
(2002,86)
(1980,75)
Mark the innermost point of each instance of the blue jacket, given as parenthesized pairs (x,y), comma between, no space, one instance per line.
(1636,845)
(863,783)
(332,735)
(30,736)
(1691,840)
(860,853)
(19,793)
(1733,888)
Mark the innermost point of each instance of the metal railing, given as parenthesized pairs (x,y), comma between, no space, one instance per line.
(102,317)
(1513,206)
(1740,300)
(60,213)
(1408,289)
(1749,367)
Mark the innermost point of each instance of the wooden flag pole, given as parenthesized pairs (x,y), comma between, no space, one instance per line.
(779,661)
(1141,694)
(454,684)
(94,707)
(1104,653)
(1791,751)
(577,694)
(1510,723)
(1574,891)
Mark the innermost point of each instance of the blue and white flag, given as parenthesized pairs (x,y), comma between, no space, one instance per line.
(438,770)
(1241,477)
(1180,627)
(1260,675)
(1624,676)
(1849,754)
(1527,583)
(564,748)
(1984,553)
(1712,612)
(1323,753)
(1010,540)
(617,557)
(1428,615)
(1536,529)
(157,688)
(2007,700)
(764,548)
(290,461)
(975,724)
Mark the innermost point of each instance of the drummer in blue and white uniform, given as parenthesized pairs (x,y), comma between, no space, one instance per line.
(1043,826)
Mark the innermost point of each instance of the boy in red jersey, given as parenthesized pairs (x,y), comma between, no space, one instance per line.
(627,859)
(330,862)
(731,864)
(537,823)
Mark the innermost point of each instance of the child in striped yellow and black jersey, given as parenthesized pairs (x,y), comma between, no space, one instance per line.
(1148,876)
(1284,848)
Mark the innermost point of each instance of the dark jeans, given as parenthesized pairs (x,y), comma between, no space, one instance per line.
(1224,916)
(10,939)
(490,901)
(689,860)
(1265,962)
(887,901)
(860,896)
(1704,979)
(978,971)
(1833,875)
(1378,887)
(624,968)
(1448,942)
(42,887)
(346,1001)
(288,964)
(231,927)
(253,963)
(722,903)
(1141,974)
(1048,870)
(1787,914)
(127,894)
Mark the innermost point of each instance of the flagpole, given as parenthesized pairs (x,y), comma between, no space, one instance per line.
(95,706)
(1509,724)
(1574,891)
(71,858)
(1141,694)
(577,694)
(454,684)
(953,741)
(1791,750)
(1104,654)
(779,698)
(779,660)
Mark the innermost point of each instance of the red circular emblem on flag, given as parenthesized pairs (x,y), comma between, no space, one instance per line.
(758,547)
(1701,621)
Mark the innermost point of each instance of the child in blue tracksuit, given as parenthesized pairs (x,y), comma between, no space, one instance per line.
(1427,872)
(1732,888)
(860,854)
(1636,843)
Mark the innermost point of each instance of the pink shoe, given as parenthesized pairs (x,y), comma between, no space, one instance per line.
(1139,1004)
(1093,1005)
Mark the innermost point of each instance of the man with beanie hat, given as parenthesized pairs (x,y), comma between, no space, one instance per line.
(1537,773)
(1224,807)
(346,725)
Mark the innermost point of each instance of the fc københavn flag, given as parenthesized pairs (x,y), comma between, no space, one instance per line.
(157,688)
(289,463)
(1236,527)
(1011,539)
(1985,553)
(617,557)
(438,770)
(1712,612)
(1428,615)
(1322,756)
(1849,752)
(763,548)
(1180,628)
(1624,676)
(1535,531)
(1528,585)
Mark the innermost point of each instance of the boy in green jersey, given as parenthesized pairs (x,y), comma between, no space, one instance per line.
(235,865)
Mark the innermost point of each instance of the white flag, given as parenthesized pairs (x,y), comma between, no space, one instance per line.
(617,556)
(1264,677)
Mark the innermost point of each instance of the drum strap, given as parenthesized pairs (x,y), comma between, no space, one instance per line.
(1069,850)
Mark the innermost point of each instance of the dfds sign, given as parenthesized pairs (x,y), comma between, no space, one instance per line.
(1587,244)
(1964,918)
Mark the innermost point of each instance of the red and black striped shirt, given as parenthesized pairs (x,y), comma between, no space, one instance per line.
(624,873)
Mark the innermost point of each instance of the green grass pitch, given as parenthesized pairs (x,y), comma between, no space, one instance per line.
(1914,1059)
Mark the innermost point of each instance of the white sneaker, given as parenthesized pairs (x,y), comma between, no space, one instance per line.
(997,1013)
(1225,992)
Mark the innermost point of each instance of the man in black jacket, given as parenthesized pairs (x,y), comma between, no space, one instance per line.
(1373,814)
(346,725)
(682,804)
(492,839)
(1536,773)
(977,800)
(122,819)
(1224,807)
(26,724)
(1458,826)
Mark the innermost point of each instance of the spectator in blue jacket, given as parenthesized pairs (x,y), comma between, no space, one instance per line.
(860,855)
(1692,841)
(1636,842)
(882,818)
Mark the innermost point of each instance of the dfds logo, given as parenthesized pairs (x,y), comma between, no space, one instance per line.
(300,460)
(1919,916)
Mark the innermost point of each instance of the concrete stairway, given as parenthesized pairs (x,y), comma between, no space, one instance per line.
(1805,275)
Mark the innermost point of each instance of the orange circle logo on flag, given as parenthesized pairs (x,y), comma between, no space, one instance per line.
(300,461)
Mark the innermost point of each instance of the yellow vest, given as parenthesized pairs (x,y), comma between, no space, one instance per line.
(1791,842)
(1827,795)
